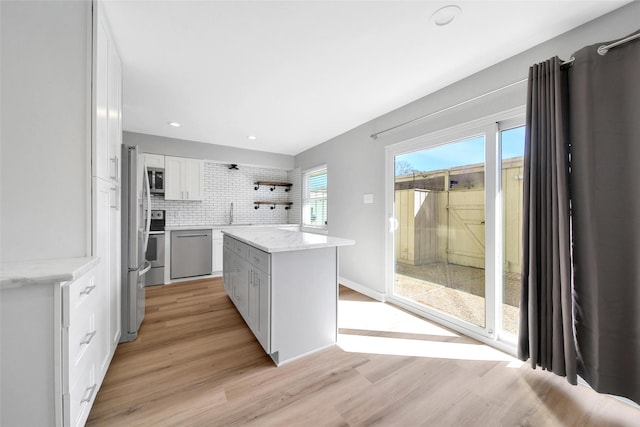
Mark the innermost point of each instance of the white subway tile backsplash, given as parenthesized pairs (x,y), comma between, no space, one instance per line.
(224,186)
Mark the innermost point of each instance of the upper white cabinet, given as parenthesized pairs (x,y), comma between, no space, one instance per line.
(154,161)
(184,178)
(108,103)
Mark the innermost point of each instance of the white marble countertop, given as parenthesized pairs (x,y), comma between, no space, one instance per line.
(275,240)
(24,273)
(224,226)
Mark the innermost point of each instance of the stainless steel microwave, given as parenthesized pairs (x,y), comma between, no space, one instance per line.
(156,180)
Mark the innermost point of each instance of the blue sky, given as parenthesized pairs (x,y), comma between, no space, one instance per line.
(467,152)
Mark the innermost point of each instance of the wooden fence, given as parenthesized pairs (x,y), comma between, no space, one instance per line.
(441,216)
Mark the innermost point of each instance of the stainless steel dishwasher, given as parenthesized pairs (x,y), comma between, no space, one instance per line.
(190,253)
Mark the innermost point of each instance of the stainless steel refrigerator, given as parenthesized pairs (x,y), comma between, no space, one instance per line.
(135,236)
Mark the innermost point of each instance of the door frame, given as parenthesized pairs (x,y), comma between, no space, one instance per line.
(490,127)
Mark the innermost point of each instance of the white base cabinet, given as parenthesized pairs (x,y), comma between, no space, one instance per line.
(51,351)
(216,264)
(289,299)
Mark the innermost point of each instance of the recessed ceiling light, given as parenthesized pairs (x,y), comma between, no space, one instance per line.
(445,15)
(252,137)
(174,124)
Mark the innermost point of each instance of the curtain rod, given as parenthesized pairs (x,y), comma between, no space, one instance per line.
(602,50)
(375,136)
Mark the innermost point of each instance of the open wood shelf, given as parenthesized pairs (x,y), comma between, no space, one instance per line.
(272,184)
(272,205)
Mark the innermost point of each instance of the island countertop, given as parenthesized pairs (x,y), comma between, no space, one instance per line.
(275,240)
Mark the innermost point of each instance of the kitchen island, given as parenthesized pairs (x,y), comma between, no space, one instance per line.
(285,285)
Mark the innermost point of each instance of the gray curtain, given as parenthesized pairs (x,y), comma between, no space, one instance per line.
(546,319)
(580,305)
(604,100)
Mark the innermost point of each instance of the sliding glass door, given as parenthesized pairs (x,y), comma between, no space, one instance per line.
(512,159)
(456,221)
(440,239)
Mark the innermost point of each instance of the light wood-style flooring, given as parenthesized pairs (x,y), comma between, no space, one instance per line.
(196,363)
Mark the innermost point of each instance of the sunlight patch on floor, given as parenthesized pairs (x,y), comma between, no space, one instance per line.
(380,317)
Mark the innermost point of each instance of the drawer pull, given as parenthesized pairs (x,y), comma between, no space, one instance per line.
(88,337)
(89,393)
(88,290)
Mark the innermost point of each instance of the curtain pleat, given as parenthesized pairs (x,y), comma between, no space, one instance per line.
(546,314)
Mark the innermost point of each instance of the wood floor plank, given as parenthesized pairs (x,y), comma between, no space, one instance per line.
(196,363)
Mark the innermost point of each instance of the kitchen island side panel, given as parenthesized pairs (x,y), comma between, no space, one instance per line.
(304,301)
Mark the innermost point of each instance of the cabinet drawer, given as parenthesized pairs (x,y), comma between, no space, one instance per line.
(240,249)
(79,293)
(79,319)
(81,395)
(81,343)
(259,259)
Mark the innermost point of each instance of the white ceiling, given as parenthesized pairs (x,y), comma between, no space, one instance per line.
(297,73)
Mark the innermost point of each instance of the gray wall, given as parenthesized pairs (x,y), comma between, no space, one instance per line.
(356,162)
(199,150)
(45,139)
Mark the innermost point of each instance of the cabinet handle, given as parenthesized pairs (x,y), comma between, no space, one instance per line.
(88,393)
(115,205)
(114,160)
(88,337)
(191,235)
(88,290)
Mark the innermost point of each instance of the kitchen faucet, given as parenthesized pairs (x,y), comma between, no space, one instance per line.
(231,214)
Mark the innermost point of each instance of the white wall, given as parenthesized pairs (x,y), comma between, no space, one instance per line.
(200,150)
(356,162)
(45,134)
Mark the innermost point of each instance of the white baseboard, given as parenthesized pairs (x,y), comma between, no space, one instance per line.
(363,289)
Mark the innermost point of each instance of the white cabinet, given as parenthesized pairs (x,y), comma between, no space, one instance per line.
(258,309)
(217,262)
(115,269)
(108,103)
(103,191)
(240,284)
(184,178)
(154,160)
(247,282)
(83,330)
(289,299)
(50,338)
(106,215)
